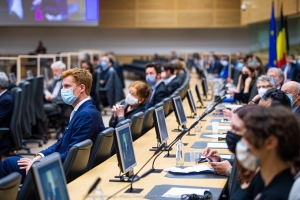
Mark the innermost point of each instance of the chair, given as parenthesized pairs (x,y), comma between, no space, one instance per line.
(32,81)
(9,186)
(253,92)
(236,76)
(77,159)
(101,148)
(136,125)
(167,104)
(25,119)
(159,105)
(28,190)
(148,120)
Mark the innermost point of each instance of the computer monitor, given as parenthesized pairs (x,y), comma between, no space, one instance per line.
(124,149)
(199,96)
(160,125)
(191,103)
(50,178)
(204,87)
(179,111)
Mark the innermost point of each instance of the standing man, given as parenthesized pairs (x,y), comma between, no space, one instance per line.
(85,121)
(159,89)
(290,70)
(278,76)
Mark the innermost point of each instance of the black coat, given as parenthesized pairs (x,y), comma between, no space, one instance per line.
(173,85)
(160,93)
(140,108)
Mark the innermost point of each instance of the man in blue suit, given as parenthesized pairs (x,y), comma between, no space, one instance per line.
(85,121)
(6,109)
(291,70)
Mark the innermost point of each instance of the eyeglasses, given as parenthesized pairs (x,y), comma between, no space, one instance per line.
(263,86)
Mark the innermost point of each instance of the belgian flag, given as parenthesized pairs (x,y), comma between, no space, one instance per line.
(281,42)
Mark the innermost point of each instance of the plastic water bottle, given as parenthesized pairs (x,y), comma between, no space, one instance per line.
(98,194)
(179,154)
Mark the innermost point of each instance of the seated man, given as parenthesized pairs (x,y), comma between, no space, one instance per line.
(278,76)
(274,97)
(159,89)
(6,109)
(171,80)
(292,90)
(85,121)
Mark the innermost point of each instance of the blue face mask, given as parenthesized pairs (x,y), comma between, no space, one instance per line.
(68,96)
(290,96)
(103,65)
(151,79)
(298,61)
(56,78)
(239,65)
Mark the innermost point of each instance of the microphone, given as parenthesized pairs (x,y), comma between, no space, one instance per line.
(93,187)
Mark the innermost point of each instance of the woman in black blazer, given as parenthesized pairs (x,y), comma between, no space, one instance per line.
(139,93)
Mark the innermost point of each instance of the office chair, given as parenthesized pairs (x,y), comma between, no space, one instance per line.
(166,106)
(148,120)
(77,159)
(9,186)
(136,125)
(101,148)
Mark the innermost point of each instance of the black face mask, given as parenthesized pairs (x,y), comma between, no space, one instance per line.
(231,140)
(245,76)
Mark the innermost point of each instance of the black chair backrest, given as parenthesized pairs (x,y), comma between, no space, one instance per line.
(25,117)
(31,80)
(167,104)
(148,120)
(236,75)
(77,159)
(15,123)
(253,92)
(28,190)
(9,186)
(101,148)
(39,97)
(136,125)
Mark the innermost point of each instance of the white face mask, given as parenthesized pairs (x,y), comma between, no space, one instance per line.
(245,158)
(224,62)
(262,91)
(130,100)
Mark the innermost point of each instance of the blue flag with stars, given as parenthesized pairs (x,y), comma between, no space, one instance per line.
(272,40)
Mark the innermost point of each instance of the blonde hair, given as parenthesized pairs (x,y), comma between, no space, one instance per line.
(81,76)
(143,90)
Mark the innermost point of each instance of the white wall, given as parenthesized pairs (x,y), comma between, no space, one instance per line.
(21,40)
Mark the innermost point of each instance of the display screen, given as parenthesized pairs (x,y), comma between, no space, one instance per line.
(160,120)
(49,12)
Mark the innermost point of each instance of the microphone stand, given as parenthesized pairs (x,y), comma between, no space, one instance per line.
(137,190)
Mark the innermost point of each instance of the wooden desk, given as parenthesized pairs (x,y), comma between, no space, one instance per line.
(107,170)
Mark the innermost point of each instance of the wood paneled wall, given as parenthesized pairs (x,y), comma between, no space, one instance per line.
(169,13)
(260,10)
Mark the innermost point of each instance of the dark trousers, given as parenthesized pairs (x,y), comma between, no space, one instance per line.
(10,164)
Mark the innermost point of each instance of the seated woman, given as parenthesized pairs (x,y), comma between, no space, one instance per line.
(271,143)
(245,84)
(139,93)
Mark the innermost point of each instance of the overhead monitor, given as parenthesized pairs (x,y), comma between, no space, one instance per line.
(191,102)
(124,148)
(199,96)
(179,111)
(49,12)
(50,178)
(160,125)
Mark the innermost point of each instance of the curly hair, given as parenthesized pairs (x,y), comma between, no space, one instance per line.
(142,89)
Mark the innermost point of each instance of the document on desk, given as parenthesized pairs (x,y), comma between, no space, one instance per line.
(225,156)
(232,106)
(186,170)
(224,127)
(176,192)
(217,145)
(216,136)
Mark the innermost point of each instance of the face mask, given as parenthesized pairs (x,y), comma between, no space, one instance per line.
(245,76)
(224,62)
(239,65)
(245,158)
(56,78)
(67,96)
(103,65)
(262,91)
(211,58)
(290,96)
(231,140)
(151,79)
(130,100)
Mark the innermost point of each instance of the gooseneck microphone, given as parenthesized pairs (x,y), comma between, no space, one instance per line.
(93,187)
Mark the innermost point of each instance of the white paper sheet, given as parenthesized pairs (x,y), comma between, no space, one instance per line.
(232,106)
(225,156)
(176,192)
(216,136)
(217,145)
(224,127)
(197,168)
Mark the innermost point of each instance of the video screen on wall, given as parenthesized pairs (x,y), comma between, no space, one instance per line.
(49,12)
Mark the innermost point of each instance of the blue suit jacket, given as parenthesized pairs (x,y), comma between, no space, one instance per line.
(294,72)
(6,109)
(85,124)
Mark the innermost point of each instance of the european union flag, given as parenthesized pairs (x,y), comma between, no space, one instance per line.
(272,40)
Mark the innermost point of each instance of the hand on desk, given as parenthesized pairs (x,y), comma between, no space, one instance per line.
(220,167)
(212,155)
